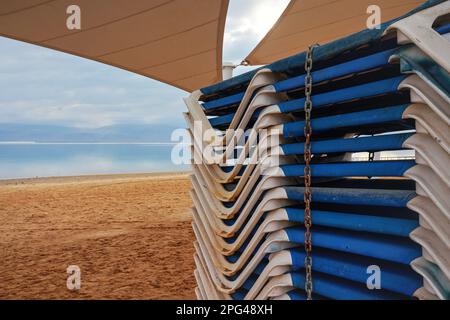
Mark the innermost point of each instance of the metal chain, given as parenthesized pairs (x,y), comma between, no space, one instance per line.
(371,155)
(308,172)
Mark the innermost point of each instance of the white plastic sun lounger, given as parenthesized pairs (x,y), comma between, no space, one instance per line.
(248,217)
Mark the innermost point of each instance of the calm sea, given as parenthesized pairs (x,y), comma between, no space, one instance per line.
(26,160)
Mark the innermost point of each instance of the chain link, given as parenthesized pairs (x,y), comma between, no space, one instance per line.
(371,155)
(308,172)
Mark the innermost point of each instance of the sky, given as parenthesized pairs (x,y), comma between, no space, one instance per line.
(46,87)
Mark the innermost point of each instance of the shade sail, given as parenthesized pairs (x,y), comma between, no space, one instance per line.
(306,22)
(178,42)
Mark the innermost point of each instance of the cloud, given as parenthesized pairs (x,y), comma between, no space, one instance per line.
(49,87)
(247,23)
(43,86)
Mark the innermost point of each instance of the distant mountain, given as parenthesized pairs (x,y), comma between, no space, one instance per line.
(114,133)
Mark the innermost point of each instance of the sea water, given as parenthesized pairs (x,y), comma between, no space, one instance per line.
(29,160)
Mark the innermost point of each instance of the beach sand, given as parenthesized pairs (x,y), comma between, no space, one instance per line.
(129,234)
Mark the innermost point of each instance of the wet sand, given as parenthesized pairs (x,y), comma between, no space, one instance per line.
(129,234)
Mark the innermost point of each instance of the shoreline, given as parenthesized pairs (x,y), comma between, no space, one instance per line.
(96,178)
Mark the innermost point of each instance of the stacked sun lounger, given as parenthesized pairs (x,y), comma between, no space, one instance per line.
(380,170)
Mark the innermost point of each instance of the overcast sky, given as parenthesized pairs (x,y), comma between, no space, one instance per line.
(42,86)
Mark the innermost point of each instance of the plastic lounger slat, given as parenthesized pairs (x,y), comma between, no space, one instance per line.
(300,295)
(297,296)
(322,53)
(394,249)
(443,29)
(353,66)
(379,143)
(357,222)
(368,197)
(370,117)
(371,89)
(342,95)
(396,278)
(239,295)
(352,169)
(338,289)
(226,119)
(221,120)
(222,102)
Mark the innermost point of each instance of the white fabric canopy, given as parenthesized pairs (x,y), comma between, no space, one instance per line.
(306,22)
(178,42)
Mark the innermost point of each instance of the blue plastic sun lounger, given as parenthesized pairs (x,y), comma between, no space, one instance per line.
(371,117)
(365,91)
(353,169)
(396,277)
(325,52)
(394,249)
(371,94)
(355,196)
(363,144)
(339,289)
(360,222)
(374,61)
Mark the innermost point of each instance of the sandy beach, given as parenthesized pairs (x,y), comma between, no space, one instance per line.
(129,234)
